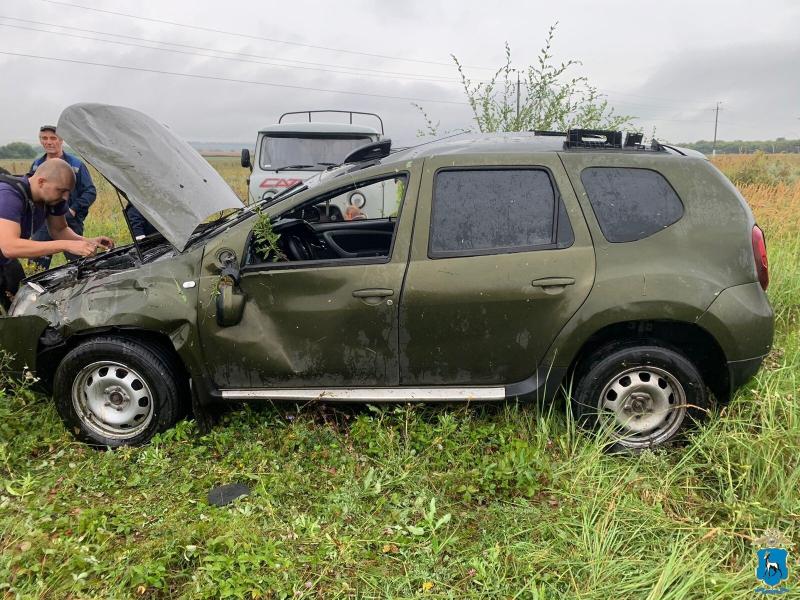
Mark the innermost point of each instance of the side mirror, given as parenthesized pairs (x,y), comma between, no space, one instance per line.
(230,305)
(246,159)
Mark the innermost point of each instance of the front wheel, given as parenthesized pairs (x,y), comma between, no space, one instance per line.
(644,396)
(113,391)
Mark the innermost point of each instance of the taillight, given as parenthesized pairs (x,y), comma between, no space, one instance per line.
(760,254)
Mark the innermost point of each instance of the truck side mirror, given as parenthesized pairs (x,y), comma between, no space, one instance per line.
(246,159)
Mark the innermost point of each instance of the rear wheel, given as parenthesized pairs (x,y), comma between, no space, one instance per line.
(644,396)
(113,391)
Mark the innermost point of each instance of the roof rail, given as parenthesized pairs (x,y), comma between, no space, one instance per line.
(547,133)
(343,112)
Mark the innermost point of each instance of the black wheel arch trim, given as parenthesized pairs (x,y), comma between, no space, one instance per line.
(54,346)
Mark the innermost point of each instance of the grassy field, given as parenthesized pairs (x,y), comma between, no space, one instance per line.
(413,501)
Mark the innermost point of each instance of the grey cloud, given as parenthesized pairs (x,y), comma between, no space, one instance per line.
(755,80)
(757,84)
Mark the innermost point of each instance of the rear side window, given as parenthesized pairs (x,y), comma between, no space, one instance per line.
(630,204)
(492,211)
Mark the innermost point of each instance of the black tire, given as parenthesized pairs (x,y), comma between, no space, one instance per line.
(142,391)
(643,395)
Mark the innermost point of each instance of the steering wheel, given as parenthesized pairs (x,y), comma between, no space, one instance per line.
(298,248)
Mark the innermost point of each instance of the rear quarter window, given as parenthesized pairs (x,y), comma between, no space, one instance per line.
(630,204)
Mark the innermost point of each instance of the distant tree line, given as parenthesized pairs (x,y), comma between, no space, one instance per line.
(18,150)
(746,147)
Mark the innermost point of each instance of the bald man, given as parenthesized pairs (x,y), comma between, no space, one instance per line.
(25,204)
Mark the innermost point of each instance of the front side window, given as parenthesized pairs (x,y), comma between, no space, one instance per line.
(359,202)
(630,204)
(490,211)
(307,152)
(355,222)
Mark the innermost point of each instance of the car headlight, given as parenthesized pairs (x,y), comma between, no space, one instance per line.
(24,299)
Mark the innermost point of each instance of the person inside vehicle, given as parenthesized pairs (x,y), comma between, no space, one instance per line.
(353,213)
(80,199)
(27,203)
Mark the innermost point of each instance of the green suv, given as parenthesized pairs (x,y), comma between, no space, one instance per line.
(496,266)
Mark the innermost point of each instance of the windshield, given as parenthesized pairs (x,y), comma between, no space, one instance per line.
(308,152)
(226,218)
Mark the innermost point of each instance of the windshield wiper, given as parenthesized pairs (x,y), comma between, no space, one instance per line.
(284,193)
(287,167)
(328,164)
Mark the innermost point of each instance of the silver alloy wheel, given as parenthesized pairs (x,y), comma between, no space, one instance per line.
(644,406)
(112,399)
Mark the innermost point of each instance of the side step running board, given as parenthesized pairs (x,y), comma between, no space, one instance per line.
(397,394)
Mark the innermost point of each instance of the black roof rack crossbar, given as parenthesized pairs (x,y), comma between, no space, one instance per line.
(633,140)
(593,138)
(602,139)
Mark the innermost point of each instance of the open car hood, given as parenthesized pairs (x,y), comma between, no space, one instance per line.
(174,187)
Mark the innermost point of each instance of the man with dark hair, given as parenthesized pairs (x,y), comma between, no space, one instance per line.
(81,197)
(27,203)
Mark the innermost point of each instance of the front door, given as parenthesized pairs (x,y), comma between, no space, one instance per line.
(325,320)
(501,259)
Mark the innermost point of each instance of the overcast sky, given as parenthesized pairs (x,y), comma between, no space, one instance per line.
(666,62)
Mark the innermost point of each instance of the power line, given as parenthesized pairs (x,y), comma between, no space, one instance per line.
(615,104)
(244,54)
(231,80)
(252,37)
(667,104)
(339,69)
(377,73)
(673,120)
(229,58)
(655,106)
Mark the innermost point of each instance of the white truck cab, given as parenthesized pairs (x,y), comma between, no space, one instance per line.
(288,153)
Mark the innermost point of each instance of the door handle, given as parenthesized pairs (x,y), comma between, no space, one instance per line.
(553,284)
(373,296)
(373,293)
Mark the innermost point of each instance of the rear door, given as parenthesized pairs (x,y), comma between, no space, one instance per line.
(501,259)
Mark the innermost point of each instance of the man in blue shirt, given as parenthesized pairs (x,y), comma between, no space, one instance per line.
(140,227)
(81,197)
(27,203)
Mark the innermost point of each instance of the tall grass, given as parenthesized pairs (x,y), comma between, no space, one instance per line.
(479,501)
(760,168)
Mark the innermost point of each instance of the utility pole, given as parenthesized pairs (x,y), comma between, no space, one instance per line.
(716,120)
(518,99)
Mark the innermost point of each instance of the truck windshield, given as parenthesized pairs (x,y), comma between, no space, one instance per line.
(307,152)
